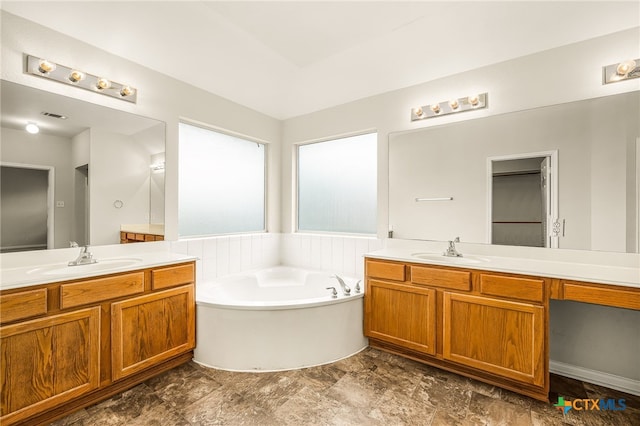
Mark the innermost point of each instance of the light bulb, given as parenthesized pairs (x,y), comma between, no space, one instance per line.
(454,104)
(126,91)
(103,83)
(474,100)
(435,108)
(75,76)
(625,67)
(418,111)
(45,67)
(32,128)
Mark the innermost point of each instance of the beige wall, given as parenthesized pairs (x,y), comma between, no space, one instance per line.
(159,97)
(524,83)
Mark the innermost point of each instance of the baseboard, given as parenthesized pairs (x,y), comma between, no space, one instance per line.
(596,377)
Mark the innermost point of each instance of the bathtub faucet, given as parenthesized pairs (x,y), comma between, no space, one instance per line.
(345,288)
(334,292)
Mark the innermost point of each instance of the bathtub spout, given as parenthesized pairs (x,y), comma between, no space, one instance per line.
(345,288)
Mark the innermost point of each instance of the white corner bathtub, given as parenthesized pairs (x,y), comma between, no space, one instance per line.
(279,318)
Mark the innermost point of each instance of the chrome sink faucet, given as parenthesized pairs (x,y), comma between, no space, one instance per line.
(345,288)
(451,250)
(84,258)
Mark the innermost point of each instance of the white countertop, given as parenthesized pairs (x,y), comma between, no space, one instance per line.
(48,266)
(628,276)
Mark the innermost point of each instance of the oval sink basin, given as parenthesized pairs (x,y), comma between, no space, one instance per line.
(440,258)
(100,265)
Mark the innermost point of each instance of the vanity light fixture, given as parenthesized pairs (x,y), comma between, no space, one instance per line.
(45,67)
(75,76)
(72,76)
(32,128)
(621,71)
(452,106)
(102,84)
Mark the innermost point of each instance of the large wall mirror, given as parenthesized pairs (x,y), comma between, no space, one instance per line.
(89,172)
(559,176)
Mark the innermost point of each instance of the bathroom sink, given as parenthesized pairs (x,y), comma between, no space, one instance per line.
(100,265)
(440,258)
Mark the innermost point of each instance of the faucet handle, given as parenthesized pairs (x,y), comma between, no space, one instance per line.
(334,292)
(357,286)
(73,244)
(457,240)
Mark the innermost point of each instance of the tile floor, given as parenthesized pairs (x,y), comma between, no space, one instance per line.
(370,388)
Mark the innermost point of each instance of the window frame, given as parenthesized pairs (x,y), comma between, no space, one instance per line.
(247,138)
(296,184)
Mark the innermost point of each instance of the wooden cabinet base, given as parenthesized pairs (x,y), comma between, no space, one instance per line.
(106,392)
(539,393)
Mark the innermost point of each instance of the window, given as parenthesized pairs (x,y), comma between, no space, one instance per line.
(221,183)
(337,189)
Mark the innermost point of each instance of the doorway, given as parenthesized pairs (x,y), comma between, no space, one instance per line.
(26,210)
(522,201)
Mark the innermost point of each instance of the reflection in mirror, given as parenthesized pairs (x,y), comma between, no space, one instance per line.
(595,141)
(521,201)
(89,173)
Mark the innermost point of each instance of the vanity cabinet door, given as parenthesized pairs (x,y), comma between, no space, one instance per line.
(48,361)
(498,336)
(149,329)
(401,314)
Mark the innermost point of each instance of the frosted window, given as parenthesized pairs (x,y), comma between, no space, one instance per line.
(337,185)
(221,183)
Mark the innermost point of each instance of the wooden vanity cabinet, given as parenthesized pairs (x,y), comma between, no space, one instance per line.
(149,329)
(485,325)
(67,345)
(401,314)
(48,361)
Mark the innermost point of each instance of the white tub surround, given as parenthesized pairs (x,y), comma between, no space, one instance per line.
(47,266)
(280,318)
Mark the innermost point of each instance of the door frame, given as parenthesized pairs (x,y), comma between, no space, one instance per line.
(553,186)
(50,196)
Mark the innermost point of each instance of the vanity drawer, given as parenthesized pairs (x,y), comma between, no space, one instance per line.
(98,290)
(512,287)
(386,270)
(23,305)
(445,278)
(620,297)
(172,276)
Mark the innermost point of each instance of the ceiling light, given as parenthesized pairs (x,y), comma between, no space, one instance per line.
(32,128)
(435,108)
(454,104)
(473,100)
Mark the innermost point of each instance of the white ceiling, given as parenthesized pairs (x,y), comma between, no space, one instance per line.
(290,58)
